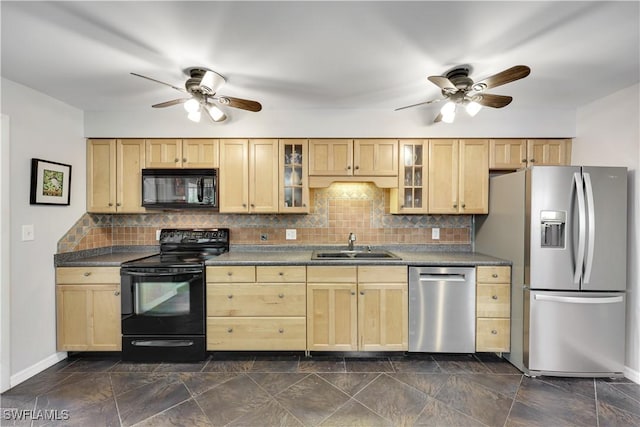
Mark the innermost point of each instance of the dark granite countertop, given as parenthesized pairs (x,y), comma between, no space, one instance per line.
(285,255)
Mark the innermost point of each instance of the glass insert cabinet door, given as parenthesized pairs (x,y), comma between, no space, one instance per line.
(412,177)
(294,187)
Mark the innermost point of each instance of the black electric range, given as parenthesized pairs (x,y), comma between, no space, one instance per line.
(163,297)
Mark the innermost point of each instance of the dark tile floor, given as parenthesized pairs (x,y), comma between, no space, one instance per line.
(291,390)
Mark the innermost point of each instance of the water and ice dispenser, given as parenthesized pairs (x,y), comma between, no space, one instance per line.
(552,225)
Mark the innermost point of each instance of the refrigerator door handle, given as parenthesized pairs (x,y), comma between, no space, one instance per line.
(591,227)
(577,275)
(579,300)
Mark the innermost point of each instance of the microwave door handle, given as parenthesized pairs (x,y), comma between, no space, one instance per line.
(160,274)
(577,179)
(200,184)
(591,222)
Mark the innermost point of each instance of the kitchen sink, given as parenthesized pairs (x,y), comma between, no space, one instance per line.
(355,254)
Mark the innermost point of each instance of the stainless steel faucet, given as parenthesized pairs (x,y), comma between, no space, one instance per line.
(351,241)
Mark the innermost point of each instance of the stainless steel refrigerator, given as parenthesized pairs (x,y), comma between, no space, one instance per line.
(565,230)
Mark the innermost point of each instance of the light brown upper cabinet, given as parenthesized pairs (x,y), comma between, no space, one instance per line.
(294,178)
(114,182)
(249,175)
(458,176)
(411,194)
(182,153)
(510,154)
(353,159)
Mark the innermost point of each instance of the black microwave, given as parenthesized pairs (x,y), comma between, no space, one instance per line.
(180,188)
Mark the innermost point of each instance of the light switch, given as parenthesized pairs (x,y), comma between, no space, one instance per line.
(290,234)
(435,234)
(27,232)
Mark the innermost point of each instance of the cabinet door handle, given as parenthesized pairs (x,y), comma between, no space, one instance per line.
(230,330)
(353,292)
(281,330)
(184,160)
(532,160)
(176,160)
(494,275)
(361,292)
(524,160)
(464,205)
(348,168)
(116,293)
(357,167)
(494,332)
(87,273)
(118,204)
(455,205)
(230,296)
(110,204)
(280,295)
(253,205)
(494,297)
(244,205)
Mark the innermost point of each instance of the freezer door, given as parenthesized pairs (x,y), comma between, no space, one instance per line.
(575,333)
(606,245)
(551,215)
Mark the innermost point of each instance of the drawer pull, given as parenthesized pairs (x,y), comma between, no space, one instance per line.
(229,273)
(230,296)
(494,275)
(280,295)
(281,330)
(87,273)
(494,297)
(353,292)
(494,332)
(116,293)
(280,273)
(230,330)
(361,292)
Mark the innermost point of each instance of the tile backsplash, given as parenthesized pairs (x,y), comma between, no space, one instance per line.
(337,210)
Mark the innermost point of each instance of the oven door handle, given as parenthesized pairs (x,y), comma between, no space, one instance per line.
(157,274)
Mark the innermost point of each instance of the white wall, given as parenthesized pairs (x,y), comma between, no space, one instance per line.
(41,127)
(417,122)
(608,134)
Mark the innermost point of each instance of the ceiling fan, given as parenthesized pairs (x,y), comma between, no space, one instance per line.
(460,90)
(203,85)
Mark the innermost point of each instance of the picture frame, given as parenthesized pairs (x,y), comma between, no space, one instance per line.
(50,183)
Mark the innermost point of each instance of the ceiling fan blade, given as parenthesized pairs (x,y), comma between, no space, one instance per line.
(419,103)
(443,83)
(490,100)
(507,76)
(158,81)
(244,104)
(170,103)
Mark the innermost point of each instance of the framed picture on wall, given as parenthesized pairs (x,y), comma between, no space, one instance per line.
(50,183)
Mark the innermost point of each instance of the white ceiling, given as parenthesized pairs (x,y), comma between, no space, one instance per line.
(333,55)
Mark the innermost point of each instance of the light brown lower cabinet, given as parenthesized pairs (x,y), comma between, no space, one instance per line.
(256,308)
(88,309)
(493,308)
(357,308)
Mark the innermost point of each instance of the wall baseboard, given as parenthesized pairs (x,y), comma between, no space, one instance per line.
(631,374)
(35,369)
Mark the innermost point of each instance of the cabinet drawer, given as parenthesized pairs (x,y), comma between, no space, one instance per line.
(376,274)
(281,274)
(493,335)
(332,274)
(493,300)
(493,274)
(231,274)
(256,333)
(81,275)
(256,300)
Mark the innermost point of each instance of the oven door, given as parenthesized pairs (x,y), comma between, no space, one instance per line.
(161,301)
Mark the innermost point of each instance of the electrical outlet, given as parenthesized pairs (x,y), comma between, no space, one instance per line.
(158,234)
(264,237)
(435,234)
(27,232)
(290,234)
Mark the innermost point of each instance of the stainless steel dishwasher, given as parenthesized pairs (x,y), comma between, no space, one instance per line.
(442,306)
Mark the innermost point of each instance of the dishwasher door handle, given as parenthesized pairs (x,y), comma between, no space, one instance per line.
(442,278)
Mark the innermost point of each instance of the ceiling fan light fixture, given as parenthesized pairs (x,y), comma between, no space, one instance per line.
(473,108)
(448,108)
(192,105)
(211,82)
(194,116)
(216,114)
